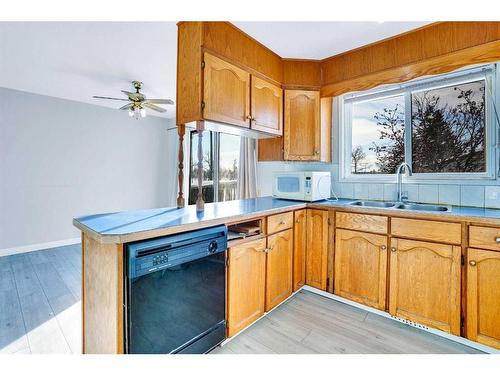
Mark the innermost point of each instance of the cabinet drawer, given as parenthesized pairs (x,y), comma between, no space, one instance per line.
(275,223)
(484,237)
(438,231)
(367,223)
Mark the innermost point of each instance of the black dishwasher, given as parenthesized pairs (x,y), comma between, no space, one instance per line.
(175,289)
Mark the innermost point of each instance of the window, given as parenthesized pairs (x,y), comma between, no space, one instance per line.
(438,125)
(221,153)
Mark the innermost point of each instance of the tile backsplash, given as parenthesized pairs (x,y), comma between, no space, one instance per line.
(459,195)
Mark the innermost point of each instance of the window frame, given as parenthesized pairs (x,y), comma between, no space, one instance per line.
(215,155)
(488,73)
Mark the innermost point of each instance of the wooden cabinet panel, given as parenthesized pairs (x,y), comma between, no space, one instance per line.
(366,223)
(279,268)
(361,267)
(299,249)
(246,284)
(317,248)
(427,230)
(266,107)
(483,297)
(302,125)
(278,222)
(226,92)
(425,283)
(484,237)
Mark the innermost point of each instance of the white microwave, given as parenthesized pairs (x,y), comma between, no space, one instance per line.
(302,186)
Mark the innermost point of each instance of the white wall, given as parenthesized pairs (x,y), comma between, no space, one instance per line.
(61,159)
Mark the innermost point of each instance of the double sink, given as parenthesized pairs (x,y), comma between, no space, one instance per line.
(402,206)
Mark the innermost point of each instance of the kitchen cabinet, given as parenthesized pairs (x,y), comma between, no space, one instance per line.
(299,249)
(483,296)
(317,248)
(425,283)
(279,268)
(302,132)
(361,267)
(226,92)
(246,282)
(266,107)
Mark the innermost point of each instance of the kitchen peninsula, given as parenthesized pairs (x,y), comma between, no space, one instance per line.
(319,243)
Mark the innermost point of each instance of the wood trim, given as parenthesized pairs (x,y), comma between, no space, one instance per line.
(300,74)
(83,291)
(181,131)
(200,204)
(480,54)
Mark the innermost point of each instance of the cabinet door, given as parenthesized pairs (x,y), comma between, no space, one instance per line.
(226,92)
(302,125)
(279,268)
(425,283)
(361,267)
(246,284)
(483,297)
(299,249)
(317,248)
(266,107)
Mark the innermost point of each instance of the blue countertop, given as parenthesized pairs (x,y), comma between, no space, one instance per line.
(122,226)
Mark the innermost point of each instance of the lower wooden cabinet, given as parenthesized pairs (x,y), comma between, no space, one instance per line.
(246,282)
(299,249)
(425,283)
(317,248)
(279,268)
(361,267)
(483,297)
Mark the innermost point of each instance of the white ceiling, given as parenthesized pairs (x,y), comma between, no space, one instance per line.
(318,40)
(75,60)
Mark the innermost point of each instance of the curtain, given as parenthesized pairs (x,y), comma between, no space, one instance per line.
(247,173)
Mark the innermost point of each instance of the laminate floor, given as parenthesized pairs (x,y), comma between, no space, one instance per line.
(40,312)
(40,309)
(308,323)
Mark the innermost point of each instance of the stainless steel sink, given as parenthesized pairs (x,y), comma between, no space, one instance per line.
(375,204)
(421,207)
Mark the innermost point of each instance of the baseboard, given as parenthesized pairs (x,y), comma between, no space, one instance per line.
(437,332)
(38,246)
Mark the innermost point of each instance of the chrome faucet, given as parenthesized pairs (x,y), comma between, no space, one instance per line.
(403,167)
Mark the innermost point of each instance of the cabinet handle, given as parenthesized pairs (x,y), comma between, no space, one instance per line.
(383,247)
(250,118)
(282,222)
(269,249)
(316,152)
(472,263)
(297,221)
(497,240)
(393,249)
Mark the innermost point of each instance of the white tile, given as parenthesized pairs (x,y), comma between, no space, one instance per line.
(390,192)
(412,190)
(428,193)
(492,196)
(449,194)
(472,195)
(376,191)
(361,191)
(347,190)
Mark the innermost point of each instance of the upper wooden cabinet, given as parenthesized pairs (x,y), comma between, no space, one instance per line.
(226,92)
(246,280)
(483,296)
(317,248)
(279,268)
(425,283)
(361,267)
(266,106)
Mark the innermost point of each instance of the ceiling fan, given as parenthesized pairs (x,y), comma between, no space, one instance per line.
(138,102)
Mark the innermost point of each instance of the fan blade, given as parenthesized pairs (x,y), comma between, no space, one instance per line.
(153,107)
(127,106)
(107,97)
(159,101)
(137,96)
